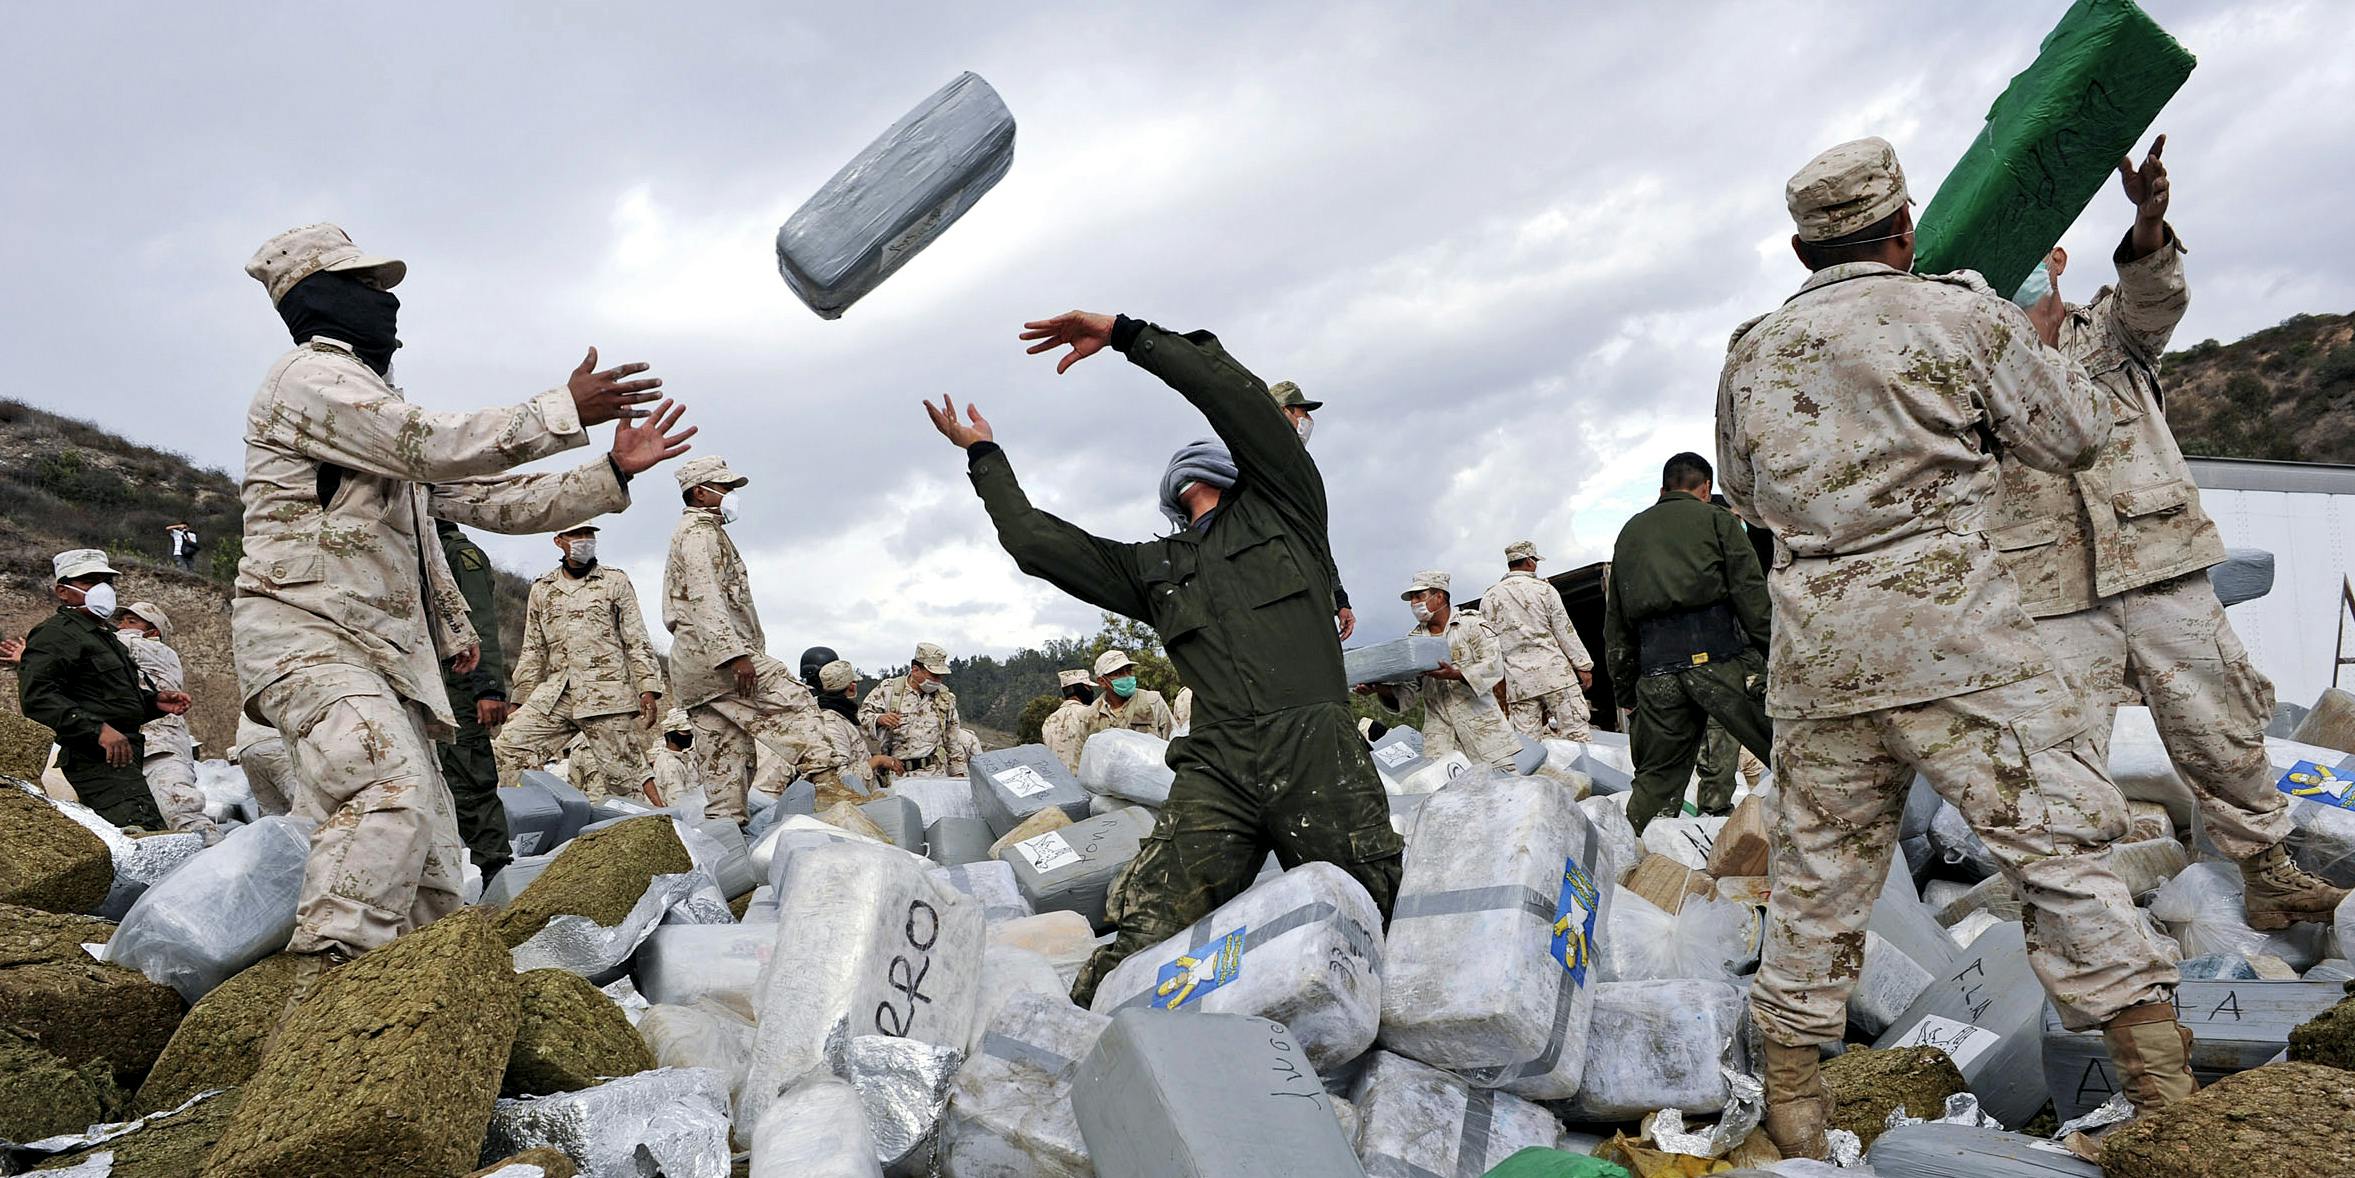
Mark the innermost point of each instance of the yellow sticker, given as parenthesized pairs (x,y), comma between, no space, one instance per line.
(1700,658)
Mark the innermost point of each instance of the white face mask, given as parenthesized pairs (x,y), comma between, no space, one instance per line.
(99,600)
(1304,427)
(930,687)
(729,505)
(581,551)
(1422,612)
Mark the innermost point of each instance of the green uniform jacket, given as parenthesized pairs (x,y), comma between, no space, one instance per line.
(76,676)
(471,566)
(1244,605)
(1680,553)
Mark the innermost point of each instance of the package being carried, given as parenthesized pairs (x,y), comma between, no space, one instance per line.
(1396,661)
(1659,1044)
(224,909)
(1414,1119)
(1122,763)
(1010,1114)
(869,942)
(1011,785)
(1303,948)
(1493,938)
(895,197)
(1070,869)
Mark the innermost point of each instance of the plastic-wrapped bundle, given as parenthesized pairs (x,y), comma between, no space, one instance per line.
(2142,769)
(2147,865)
(513,878)
(1219,1095)
(2203,910)
(1933,1150)
(2322,840)
(224,909)
(226,793)
(1010,785)
(892,199)
(1958,845)
(904,1086)
(1397,755)
(2245,575)
(1686,840)
(1102,804)
(675,1119)
(1608,815)
(1415,1119)
(1303,948)
(1712,940)
(1007,970)
(992,882)
(1900,918)
(1608,762)
(2238,1025)
(1072,868)
(717,846)
(703,1034)
(2335,970)
(1065,939)
(1403,808)
(1432,775)
(543,812)
(801,833)
(1493,938)
(1123,763)
(901,819)
(1886,987)
(1530,757)
(1010,1114)
(816,1130)
(1657,1045)
(1987,1013)
(1395,661)
(869,941)
(680,963)
(937,797)
(953,842)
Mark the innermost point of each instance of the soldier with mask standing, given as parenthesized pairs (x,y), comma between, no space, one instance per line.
(586,670)
(848,769)
(478,702)
(77,678)
(913,718)
(1460,711)
(1120,703)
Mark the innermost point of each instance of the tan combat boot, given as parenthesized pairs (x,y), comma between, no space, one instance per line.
(2280,892)
(1798,1106)
(2153,1055)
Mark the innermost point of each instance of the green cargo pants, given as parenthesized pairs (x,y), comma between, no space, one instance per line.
(1672,714)
(1298,782)
(473,777)
(118,792)
(1721,757)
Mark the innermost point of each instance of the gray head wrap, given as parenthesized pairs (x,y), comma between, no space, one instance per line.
(1204,460)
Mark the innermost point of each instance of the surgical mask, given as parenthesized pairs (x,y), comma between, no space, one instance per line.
(99,600)
(1304,427)
(931,687)
(581,552)
(2039,284)
(1125,686)
(1422,612)
(730,504)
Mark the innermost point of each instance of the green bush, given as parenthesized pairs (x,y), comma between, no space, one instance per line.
(1031,728)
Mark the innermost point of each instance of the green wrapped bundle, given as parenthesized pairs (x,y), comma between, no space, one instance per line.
(2052,139)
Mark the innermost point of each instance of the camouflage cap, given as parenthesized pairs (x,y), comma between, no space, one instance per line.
(708,468)
(675,720)
(1845,189)
(154,615)
(1113,660)
(297,254)
(1077,677)
(837,675)
(1521,550)
(932,658)
(1288,396)
(1427,579)
(80,562)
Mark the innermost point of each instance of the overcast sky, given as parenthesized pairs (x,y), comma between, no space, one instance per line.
(1504,243)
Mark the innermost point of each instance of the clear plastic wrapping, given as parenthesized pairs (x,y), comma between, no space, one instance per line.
(224,909)
(1122,763)
(1415,1119)
(1658,1044)
(818,1129)
(1395,661)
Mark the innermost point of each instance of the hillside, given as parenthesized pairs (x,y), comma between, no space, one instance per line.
(2287,393)
(67,484)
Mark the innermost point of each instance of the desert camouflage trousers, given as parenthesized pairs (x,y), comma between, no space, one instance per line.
(2172,642)
(1561,713)
(611,762)
(170,769)
(2016,761)
(269,774)
(1477,730)
(779,716)
(385,856)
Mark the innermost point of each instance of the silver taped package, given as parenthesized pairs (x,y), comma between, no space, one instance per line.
(1010,1111)
(1658,1044)
(904,1086)
(992,882)
(1745,1106)
(818,1129)
(1303,948)
(1123,763)
(895,197)
(594,951)
(680,963)
(1071,869)
(671,1120)
(1987,1014)
(1206,1096)
(1414,1119)
(1395,661)
(1010,785)
(223,910)
(1933,1150)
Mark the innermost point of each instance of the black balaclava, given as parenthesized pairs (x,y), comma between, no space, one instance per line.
(342,307)
(812,659)
(839,702)
(1083,692)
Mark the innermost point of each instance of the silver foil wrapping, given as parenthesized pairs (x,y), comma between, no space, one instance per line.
(31,1152)
(2113,1111)
(904,1085)
(594,951)
(624,993)
(138,862)
(1743,1109)
(1962,1108)
(671,1121)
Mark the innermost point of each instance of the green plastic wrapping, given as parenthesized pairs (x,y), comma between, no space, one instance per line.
(1535,1162)
(2052,139)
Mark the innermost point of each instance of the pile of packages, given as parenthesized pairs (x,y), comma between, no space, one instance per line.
(883,988)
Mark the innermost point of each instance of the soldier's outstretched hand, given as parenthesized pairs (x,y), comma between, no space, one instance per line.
(1083,332)
(638,448)
(605,396)
(975,427)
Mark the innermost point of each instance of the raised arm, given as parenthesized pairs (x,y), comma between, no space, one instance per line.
(2042,406)
(521,504)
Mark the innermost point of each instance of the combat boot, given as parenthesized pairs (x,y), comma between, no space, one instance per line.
(2279,892)
(1798,1106)
(2152,1053)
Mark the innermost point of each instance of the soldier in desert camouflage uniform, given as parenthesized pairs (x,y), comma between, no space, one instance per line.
(913,718)
(261,754)
(345,608)
(1141,710)
(2112,562)
(851,767)
(721,672)
(670,775)
(170,764)
(586,669)
(1459,699)
(1065,730)
(1857,424)
(1547,669)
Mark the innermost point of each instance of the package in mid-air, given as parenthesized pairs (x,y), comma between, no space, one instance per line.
(2052,139)
(896,196)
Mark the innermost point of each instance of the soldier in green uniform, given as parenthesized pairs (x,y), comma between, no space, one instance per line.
(1685,631)
(77,678)
(478,699)
(1242,596)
